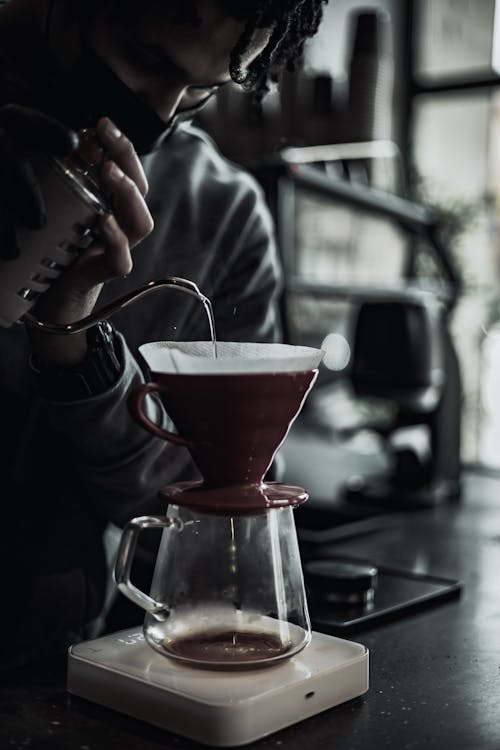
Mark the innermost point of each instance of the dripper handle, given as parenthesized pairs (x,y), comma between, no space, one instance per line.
(135,403)
(125,557)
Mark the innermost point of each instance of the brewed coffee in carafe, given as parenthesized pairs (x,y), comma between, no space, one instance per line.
(227,591)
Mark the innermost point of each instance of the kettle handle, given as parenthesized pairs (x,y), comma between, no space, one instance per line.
(135,402)
(125,557)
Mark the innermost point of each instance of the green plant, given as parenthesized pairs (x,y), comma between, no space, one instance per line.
(455,218)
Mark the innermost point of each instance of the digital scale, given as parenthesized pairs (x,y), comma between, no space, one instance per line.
(214,707)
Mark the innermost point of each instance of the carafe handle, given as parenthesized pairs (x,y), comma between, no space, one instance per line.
(125,557)
(135,402)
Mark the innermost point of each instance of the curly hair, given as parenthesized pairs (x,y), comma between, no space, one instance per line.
(292,22)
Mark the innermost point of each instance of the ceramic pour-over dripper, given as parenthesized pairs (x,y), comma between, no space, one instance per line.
(232,412)
(228,590)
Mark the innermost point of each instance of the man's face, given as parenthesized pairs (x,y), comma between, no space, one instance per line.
(173,66)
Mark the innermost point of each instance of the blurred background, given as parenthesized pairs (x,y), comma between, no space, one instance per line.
(380,159)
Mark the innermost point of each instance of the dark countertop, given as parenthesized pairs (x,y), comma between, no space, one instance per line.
(434,673)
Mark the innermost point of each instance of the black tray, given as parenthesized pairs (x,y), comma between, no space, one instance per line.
(398,592)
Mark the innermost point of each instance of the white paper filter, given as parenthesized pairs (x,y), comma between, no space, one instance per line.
(196,357)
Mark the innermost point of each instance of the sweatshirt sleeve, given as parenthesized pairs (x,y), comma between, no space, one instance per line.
(119,464)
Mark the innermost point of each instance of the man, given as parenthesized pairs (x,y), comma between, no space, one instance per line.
(74,460)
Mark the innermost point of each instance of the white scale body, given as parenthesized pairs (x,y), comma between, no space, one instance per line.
(217,708)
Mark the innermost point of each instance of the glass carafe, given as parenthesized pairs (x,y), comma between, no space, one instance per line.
(227,591)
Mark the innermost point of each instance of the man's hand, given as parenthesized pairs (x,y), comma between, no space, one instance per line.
(123,181)
(24,134)
(74,294)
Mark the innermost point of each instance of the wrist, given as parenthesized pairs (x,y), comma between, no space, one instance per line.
(61,350)
(95,373)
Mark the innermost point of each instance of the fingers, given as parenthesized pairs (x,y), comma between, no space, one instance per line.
(120,150)
(129,206)
(122,180)
(110,257)
(118,258)
(106,259)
